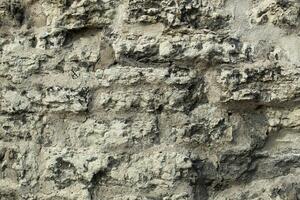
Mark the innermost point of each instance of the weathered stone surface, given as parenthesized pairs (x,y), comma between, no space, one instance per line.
(149,100)
(281,13)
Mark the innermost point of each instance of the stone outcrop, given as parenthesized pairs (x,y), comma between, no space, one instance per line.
(149,100)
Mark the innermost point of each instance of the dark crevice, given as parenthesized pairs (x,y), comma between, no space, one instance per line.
(100,177)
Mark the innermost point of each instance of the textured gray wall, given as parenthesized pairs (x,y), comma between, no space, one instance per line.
(149,100)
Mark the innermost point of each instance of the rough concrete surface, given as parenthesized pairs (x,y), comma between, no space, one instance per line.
(149,100)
